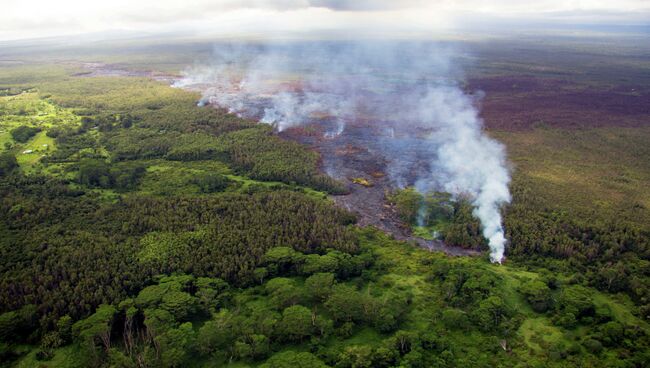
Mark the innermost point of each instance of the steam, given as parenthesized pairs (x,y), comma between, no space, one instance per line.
(402,99)
(473,163)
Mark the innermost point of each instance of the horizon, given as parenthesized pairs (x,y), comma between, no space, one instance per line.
(38,19)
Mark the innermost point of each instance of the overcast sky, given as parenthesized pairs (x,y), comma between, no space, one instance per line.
(41,18)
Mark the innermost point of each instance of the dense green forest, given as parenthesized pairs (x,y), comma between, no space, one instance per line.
(139,230)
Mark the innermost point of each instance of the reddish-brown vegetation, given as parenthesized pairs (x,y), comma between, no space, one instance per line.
(520,103)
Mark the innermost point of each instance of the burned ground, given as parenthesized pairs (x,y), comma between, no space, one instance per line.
(526,102)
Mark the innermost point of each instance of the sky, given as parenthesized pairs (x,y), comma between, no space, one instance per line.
(20,19)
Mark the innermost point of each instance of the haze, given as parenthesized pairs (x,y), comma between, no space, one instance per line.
(22,19)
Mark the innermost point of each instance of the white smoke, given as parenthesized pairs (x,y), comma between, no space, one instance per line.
(259,82)
(407,90)
(473,163)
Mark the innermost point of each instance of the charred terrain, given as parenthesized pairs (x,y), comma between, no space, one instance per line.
(162,208)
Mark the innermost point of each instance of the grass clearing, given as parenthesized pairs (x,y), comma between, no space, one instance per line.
(64,357)
(29,109)
(539,334)
(601,172)
(175,177)
(30,153)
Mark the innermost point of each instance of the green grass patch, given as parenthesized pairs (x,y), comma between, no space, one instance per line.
(595,172)
(538,334)
(64,357)
(29,154)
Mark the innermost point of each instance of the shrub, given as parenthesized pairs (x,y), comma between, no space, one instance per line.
(8,163)
(24,133)
(593,346)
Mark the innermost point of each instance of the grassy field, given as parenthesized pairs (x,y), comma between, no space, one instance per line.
(601,172)
(31,109)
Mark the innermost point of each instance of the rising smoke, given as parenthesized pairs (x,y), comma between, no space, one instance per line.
(404,95)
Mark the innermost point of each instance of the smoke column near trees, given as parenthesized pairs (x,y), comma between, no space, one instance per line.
(408,93)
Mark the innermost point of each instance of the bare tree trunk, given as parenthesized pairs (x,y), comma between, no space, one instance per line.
(128,336)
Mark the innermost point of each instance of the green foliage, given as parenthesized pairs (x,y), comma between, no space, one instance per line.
(538,295)
(16,325)
(263,156)
(97,173)
(464,229)
(175,345)
(211,183)
(8,163)
(408,203)
(196,146)
(96,329)
(453,218)
(345,304)
(358,356)
(455,319)
(283,292)
(24,133)
(302,279)
(574,303)
(296,322)
(236,233)
(319,285)
(490,313)
(593,346)
(179,304)
(291,359)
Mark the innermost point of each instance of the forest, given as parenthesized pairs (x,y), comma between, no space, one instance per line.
(140,230)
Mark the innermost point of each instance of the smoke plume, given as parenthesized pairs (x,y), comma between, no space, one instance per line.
(402,100)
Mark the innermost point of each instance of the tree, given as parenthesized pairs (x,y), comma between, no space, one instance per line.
(413,359)
(292,359)
(8,163)
(64,328)
(283,292)
(356,356)
(211,293)
(127,307)
(455,319)
(344,303)
(259,346)
(319,286)
(383,357)
(98,173)
(210,183)
(575,300)
(157,321)
(439,206)
(408,202)
(260,273)
(537,294)
(175,345)
(213,335)
(402,342)
(593,346)
(9,323)
(49,342)
(490,313)
(282,260)
(612,333)
(94,173)
(96,328)
(314,263)
(24,133)
(180,304)
(296,322)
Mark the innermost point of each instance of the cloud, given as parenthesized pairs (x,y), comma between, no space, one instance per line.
(38,18)
(366,5)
